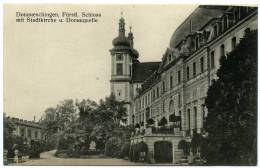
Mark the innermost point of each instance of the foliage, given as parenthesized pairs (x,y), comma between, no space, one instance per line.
(35,149)
(137,125)
(232,107)
(112,147)
(197,142)
(8,133)
(174,118)
(125,149)
(150,121)
(163,122)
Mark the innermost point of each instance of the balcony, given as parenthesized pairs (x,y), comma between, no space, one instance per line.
(157,131)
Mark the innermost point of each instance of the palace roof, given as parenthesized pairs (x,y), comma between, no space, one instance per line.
(143,70)
(197,19)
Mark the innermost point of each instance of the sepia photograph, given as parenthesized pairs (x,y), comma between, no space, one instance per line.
(130,84)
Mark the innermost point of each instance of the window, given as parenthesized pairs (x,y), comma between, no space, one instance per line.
(130,70)
(197,43)
(215,28)
(119,69)
(219,27)
(202,64)
(234,41)
(29,133)
(22,132)
(225,23)
(36,134)
(188,73)
(212,60)
(179,99)
(188,118)
(179,76)
(119,93)
(163,87)
(194,69)
(157,92)
(171,82)
(154,94)
(222,50)
(195,118)
(143,103)
(170,57)
(119,57)
(180,121)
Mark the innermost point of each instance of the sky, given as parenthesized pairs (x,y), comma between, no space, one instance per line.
(46,63)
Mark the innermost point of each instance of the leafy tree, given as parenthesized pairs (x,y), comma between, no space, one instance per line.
(66,113)
(232,107)
(8,133)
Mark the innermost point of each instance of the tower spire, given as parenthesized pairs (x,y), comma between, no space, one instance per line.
(121,25)
(131,36)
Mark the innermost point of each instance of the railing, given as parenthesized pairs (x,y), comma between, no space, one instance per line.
(163,130)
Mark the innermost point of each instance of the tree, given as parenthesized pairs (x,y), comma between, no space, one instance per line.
(66,113)
(232,107)
(8,133)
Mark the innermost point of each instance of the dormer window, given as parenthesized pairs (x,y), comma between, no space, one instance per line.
(197,43)
(215,28)
(219,27)
(225,25)
(170,57)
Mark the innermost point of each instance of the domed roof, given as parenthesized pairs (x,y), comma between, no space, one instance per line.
(135,52)
(198,18)
(121,41)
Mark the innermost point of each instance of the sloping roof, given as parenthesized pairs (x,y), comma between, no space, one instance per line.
(142,70)
(197,19)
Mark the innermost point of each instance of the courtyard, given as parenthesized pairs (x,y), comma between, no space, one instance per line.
(48,159)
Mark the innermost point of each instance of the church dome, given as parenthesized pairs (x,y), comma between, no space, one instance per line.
(121,41)
(198,18)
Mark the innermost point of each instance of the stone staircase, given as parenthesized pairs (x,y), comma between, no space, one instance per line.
(180,159)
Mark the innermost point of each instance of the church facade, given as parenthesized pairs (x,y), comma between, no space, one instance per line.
(175,89)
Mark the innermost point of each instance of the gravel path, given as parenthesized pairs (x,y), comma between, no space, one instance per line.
(48,158)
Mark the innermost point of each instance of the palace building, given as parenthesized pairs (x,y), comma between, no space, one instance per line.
(172,92)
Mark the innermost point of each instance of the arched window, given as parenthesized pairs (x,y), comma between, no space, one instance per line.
(233,41)
(222,50)
(188,72)
(171,107)
(188,119)
(202,64)
(225,22)
(215,28)
(212,60)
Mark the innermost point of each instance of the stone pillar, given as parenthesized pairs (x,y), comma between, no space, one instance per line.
(151,152)
(5,157)
(173,154)
(16,159)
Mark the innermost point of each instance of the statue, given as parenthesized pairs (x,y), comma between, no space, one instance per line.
(92,145)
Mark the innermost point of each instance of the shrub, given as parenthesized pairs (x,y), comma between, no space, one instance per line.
(163,122)
(125,148)
(112,147)
(150,121)
(35,149)
(185,146)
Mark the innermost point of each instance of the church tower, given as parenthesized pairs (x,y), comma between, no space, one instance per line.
(123,56)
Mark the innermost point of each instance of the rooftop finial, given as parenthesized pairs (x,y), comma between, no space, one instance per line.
(130,28)
(121,13)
